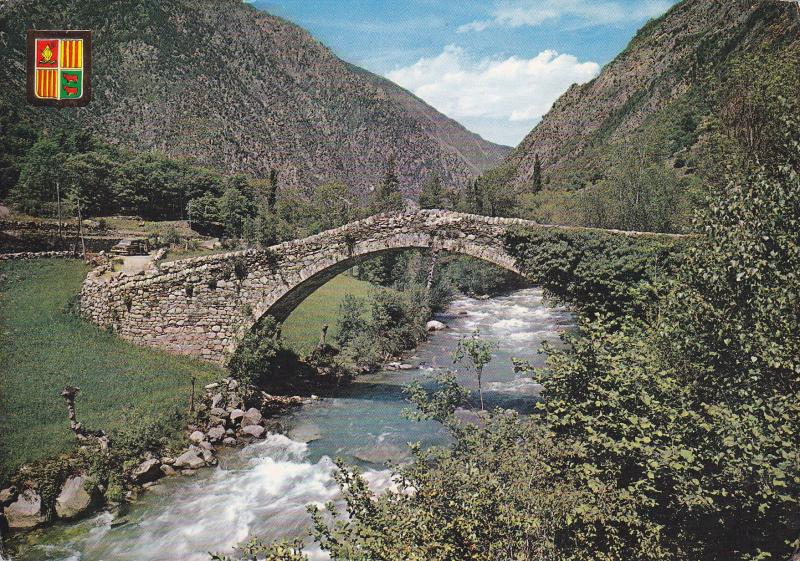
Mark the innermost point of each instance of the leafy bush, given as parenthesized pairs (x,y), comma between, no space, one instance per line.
(389,323)
(596,271)
(262,359)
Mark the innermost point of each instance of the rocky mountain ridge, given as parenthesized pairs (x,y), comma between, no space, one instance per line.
(228,86)
(663,62)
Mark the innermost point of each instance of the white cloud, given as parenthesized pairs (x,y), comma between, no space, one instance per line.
(519,13)
(501,99)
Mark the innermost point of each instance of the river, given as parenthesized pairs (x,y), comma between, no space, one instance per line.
(263,489)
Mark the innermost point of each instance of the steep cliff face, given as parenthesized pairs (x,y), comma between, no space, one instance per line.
(226,85)
(665,60)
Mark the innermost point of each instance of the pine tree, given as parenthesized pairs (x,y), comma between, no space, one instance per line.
(432,195)
(474,198)
(388,197)
(537,174)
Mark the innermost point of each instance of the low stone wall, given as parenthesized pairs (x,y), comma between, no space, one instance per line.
(36,255)
(203,306)
(67,228)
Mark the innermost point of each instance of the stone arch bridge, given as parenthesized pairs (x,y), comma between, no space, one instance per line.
(203,306)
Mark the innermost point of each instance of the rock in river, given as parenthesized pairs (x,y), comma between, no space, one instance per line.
(215,434)
(256,431)
(77,498)
(308,432)
(148,470)
(190,459)
(434,325)
(251,417)
(25,511)
(236,415)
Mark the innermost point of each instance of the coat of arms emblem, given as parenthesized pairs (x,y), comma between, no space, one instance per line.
(59,67)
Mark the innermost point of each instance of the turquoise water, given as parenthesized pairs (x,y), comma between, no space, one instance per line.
(263,490)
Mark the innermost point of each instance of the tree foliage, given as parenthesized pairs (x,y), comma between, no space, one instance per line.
(388,197)
(433,194)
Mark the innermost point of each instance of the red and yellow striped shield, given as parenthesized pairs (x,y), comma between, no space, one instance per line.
(59,67)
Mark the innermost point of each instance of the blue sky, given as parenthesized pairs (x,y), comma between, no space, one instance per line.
(495,66)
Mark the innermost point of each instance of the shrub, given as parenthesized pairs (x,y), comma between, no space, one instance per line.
(262,359)
(170,236)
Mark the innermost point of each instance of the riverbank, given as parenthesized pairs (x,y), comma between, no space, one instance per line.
(135,383)
(43,348)
(263,488)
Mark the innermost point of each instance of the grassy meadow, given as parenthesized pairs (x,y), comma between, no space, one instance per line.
(302,329)
(43,348)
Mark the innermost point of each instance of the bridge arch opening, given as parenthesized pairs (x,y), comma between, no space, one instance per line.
(460,272)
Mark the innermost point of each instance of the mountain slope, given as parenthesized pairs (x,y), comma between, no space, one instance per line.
(243,91)
(479,153)
(659,69)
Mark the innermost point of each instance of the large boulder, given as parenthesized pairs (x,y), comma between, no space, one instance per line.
(434,325)
(77,498)
(256,431)
(197,437)
(219,413)
(148,470)
(236,415)
(25,512)
(191,459)
(215,434)
(251,417)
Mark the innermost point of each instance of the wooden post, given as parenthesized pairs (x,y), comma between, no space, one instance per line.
(191,397)
(58,206)
(80,229)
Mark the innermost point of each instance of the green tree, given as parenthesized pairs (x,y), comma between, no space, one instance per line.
(473,201)
(332,205)
(204,212)
(536,183)
(90,177)
(351,320)
(40,177)
(262,359)
(496,192)
(16,138)
(432,195)
(477,353)
(235,208)
(388,197)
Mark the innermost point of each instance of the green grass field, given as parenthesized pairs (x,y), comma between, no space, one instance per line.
(302,329)
(43,348)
